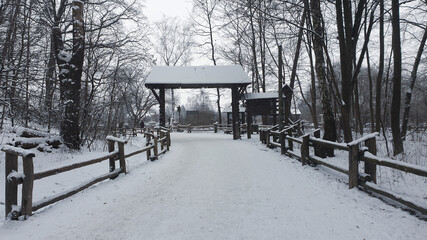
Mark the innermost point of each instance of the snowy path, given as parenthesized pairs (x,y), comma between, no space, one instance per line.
(211,187)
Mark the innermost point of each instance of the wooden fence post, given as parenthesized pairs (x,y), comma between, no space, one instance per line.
(267,138)
(371,168)
(290,142)
(27,187)
(156,150)
(147,143)
(122,156)
(282,139)
(168,140)
(215,127)
(261,136)
(299,128)
(162,142)
(305,149)
(112,159)
(11,191)
(353,165)
(315,145)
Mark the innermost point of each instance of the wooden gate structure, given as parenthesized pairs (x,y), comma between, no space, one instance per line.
(190,77)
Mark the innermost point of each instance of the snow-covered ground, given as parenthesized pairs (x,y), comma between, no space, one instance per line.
(210,187)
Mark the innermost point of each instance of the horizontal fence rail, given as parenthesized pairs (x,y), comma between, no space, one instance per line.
(27,177)
(360,150)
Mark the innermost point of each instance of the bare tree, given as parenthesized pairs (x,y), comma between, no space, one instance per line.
(204,27)
(397,80)
(318,35)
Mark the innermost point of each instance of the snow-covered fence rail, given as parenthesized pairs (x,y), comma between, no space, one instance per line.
(227,128)
(360,150)
(27,178)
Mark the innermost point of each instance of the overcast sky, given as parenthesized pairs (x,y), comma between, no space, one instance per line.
(174,8)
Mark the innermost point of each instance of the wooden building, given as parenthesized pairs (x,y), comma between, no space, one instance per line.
(185,77)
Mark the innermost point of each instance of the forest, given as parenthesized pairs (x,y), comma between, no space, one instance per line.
(77,67)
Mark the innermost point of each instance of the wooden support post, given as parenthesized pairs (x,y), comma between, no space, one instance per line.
(162,108)
(122,156)
(156,150)
(162,142)
(305,149)
(215,127)
(249,124)
(316,146)
(11,191)
(353,166)
(261,134)
(290,142)
(371,168)
(112,159)
(267,138)
(27,187)
(282,139)
(168,140)
(235,112)
(147,143)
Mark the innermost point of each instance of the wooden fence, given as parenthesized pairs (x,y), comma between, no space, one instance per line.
(361,150)
(27,177)
(226,128)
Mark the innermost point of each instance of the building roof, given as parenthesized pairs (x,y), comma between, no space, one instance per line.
(268,95)
(224,76)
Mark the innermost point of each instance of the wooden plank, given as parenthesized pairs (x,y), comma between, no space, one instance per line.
(371,168)
(326,143)
(319,160)
(235,111)
(317,151)
(17,151)
(11,191)
(156,149)
(410,168)
(122,159)
(298,140)
(353,166)
(372,188)
(139,151)
(56,198)
(27,187)
(74,166)
(305,149)
(112,159)
(294,154)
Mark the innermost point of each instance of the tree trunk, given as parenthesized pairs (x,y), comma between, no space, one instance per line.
(328,115)
(346,41)
(294,67)
(408,95)
(253,47)
(397,80)
(71,67)
(380,71)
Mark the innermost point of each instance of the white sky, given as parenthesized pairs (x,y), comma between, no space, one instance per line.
(174,8)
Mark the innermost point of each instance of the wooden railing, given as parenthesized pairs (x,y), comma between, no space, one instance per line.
(27,177)
(360,150)
(226,128)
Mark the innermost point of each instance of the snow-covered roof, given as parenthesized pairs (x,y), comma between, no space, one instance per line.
(267,95)
(197,76)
